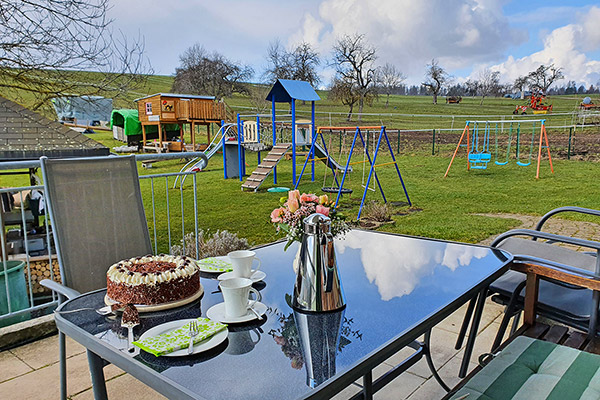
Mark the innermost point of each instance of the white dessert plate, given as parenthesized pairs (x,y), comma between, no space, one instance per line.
(215,264)
(256,276)
(199,347)
(159,307)
(217,313)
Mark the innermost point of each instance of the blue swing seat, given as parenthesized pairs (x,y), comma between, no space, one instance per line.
(479,160)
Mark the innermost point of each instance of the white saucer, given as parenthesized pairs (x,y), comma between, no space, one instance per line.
(217,313)
(256,276)
(199,347)
(215,264)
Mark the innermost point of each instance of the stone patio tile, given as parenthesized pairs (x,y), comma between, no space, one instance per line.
(45,352)
(11,366)
(401,387)
(44,382)
(491,312)
(124,386)
(431,389)
(442,350)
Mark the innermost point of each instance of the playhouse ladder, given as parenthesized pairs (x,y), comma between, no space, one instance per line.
(263,170)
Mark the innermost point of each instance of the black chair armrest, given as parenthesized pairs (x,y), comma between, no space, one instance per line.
(550,213)
(549,236)
(60,288)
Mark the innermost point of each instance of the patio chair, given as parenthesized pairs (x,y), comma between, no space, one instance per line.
(532,364)
(96,211)
(559,301)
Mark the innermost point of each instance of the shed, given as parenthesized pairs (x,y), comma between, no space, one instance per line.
(85,110)
(27,135)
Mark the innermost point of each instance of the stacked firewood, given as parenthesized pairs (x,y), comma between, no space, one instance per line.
(40,269)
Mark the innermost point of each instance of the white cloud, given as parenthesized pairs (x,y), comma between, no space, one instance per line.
(565,47)
(409,33)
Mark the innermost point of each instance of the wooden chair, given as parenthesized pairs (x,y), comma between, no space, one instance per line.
(539,361)
(97,215)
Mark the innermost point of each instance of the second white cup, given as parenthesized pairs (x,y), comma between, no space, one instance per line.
(241,261)
(236,294)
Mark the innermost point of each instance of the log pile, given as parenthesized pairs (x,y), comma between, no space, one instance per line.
(40,269)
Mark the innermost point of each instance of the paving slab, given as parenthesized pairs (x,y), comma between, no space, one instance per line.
(124,386)
(45,352)
(11,366)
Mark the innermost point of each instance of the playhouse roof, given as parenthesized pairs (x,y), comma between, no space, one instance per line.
(26,135)
(284,90)
(179,95)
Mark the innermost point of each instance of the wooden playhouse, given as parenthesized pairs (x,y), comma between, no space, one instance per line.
(162,109)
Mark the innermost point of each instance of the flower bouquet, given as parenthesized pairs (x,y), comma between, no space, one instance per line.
(289,216)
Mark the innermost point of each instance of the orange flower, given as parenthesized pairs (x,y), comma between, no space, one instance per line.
(293,204)
(324,199)
(308,197)
(294,194)
(276,215)
(322,210)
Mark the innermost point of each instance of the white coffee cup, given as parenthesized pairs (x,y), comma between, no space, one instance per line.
(241,261)
(236,294)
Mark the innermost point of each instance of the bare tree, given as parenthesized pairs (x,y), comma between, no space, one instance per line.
(543,77)
(489,83)
(472,87)
(388,80)
(257,94)
(280,63)
(519,84)
(435,79)
(300,64)
(45,43)
(343,91)
(210,74)
(305,61)
(353,59)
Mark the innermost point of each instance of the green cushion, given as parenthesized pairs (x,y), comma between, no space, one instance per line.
(533,369)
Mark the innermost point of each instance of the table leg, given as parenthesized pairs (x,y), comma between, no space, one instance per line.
(430,362)
(96,364)
(63,365)
(368,386)
(473,333)
(465,324)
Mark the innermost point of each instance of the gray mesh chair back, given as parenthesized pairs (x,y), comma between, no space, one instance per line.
(97,216)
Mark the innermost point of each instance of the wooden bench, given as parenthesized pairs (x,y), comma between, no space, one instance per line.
(539,361)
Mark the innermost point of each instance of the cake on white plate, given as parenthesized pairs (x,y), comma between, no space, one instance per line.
(151,280)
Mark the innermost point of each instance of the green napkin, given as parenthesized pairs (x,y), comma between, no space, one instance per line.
(179,338)
(216,264)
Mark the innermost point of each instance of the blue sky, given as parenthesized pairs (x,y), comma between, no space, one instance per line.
(466,36)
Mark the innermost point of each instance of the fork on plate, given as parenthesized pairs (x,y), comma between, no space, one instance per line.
(194,331)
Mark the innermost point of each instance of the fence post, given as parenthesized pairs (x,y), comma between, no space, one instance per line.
(398,147)
(433,144)
(569,150)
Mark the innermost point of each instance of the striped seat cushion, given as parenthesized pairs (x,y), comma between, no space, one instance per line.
(531,369)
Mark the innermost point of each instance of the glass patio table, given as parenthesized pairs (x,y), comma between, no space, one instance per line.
(397,288)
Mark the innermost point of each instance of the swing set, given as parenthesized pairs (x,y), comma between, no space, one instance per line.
(478,143)
(367,158)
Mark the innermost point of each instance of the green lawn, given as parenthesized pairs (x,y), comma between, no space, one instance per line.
(442,208)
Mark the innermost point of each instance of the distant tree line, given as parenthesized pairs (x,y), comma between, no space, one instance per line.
(358,80)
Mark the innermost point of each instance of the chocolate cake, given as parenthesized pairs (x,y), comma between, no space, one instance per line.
(152,280)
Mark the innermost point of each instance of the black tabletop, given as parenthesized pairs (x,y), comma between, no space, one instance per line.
(395,286)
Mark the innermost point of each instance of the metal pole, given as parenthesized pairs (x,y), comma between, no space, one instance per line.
(274,134)
(569,150)
(313,130)
(240,140)
(258,134)
(294,142)
(223,148)
(433,144)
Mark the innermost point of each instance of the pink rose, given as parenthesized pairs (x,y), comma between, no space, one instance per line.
(323,210)
(324,199)
(308,197)
(276,215)
(293,204)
